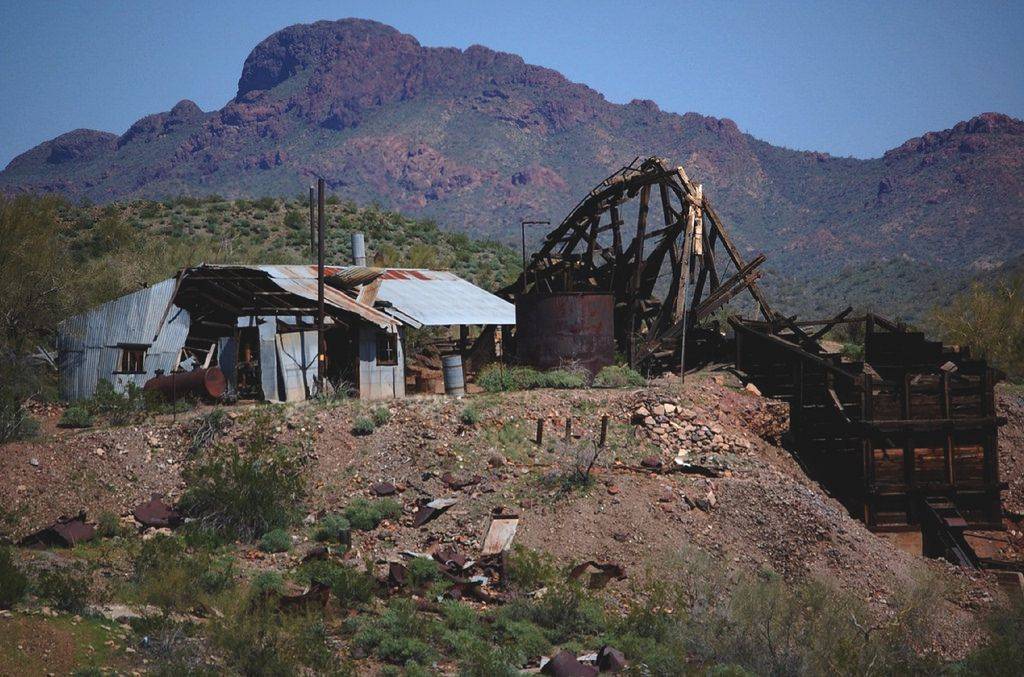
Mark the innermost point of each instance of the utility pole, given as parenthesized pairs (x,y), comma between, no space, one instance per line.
(321,344)
(312,226)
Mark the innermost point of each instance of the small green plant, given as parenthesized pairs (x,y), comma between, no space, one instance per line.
(615,376)
(399,635)
(530,570)
(66,589)
(496,378)
(267,582)
(243,492)
(76,416)
(381,415)
(366,515)
(276,540)
(13,583)
(349,586)
(421,572)
(165,574)
(108,525)
(333,529)
(363,426)
(470,415)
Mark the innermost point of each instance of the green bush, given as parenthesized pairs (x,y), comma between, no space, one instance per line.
(363,426)
(259,639)
(399,634)
(332,528)
(529,570)
(564,613)
(365,515)
(108,525)
(267,582)
(381,415)
(276,540)
(421,572)
(470,415)
(499,378)
(65,589)
(350,586)
(76,416)
(13,583)
(165,574)
(615,376)
(1003,653)
(243,492)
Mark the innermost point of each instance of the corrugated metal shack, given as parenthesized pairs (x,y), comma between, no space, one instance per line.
(258,324)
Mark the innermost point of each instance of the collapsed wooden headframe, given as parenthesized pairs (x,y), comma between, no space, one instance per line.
(911,424)
(594,249)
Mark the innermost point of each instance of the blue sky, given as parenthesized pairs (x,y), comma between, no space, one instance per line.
(849,78)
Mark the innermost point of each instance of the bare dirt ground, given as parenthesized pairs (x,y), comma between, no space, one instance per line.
(762,514)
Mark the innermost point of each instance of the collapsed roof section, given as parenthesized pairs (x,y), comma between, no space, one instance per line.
(385,297)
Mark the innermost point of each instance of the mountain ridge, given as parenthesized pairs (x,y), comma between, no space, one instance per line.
(478,139)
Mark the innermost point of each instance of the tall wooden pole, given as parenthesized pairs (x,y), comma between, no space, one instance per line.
(321,344)
(312,224)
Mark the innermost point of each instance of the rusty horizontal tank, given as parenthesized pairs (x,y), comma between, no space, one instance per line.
(209,383)
(567,327)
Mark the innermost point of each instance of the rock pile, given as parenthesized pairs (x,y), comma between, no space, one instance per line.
(681,431)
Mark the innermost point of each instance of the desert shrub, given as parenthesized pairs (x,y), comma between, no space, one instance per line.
(615,376)
(470,415)
(421,572)
(267,582)
(20,382)
(245,491)
(65,589)
(565,612)
(350,586)
(365,515)
(399,634)
(1003,653)
(265,203)
(206,429)
(562,378)
(989,319)
(114,407)
(332,528)
(168,576)
(363,426)
(276,540)
(529,569)
(76,416)
(108,525)
(381,415)
(258,639)
(13,582)
(295,220)
(499,378)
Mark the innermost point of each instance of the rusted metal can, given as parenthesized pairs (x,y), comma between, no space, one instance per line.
(553,330)
(209,382)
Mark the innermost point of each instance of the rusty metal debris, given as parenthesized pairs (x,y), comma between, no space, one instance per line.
(65,532)
(610,659)
(155,513)
(431,510)
(457,483)
(317,595)
(600,573)
(565,664)
(500,533)
(383,489)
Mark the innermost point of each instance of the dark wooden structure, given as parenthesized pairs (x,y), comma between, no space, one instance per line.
(913,422)
(595,249)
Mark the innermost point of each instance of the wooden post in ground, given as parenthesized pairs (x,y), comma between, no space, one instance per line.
(540,431)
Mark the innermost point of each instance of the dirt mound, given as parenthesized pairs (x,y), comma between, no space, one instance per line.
(751,510)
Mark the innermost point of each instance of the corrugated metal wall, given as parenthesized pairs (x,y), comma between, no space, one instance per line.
(379,382)
(89,345)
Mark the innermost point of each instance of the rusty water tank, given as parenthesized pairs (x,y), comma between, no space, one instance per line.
(209,383)
(555,329)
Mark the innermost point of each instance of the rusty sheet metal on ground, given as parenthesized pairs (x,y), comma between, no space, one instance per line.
(599,578)
(500,533)
(383,489)
(155,513)
(432,510)
(610,659)
(456,483)
(64,532)
(565,664)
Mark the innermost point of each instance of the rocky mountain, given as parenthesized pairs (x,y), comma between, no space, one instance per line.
(477,139)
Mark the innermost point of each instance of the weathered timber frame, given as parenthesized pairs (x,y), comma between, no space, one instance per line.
(913,422)
(591,251)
